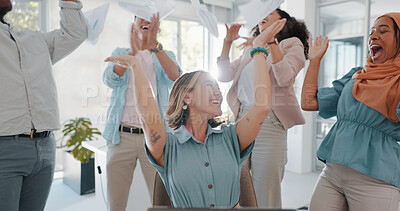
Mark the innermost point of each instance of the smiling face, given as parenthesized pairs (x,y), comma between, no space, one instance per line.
(206,97)
(269,20)
(382,40)
(142,26)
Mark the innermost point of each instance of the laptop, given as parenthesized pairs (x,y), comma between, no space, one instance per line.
(216,209)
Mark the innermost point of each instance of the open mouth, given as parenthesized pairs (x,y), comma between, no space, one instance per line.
(145,27)
(216,102)
(376,51)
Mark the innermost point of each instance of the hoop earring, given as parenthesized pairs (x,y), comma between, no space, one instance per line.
(184,107)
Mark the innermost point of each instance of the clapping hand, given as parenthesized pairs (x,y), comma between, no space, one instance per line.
(135,41)
(268,35)
(318,50)
(153,30)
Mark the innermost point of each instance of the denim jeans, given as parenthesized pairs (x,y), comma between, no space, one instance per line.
(26,172)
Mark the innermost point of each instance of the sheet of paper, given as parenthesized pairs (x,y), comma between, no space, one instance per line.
(95,20)
(256,10)
(145,8)
(207,18)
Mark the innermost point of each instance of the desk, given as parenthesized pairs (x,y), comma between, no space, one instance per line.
(138,200)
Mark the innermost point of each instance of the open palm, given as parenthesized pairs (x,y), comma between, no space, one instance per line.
(318,49)
(232,33)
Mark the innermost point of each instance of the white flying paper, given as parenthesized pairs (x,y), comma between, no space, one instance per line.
(95,20)
(256,10)
(145,8)
(206,17)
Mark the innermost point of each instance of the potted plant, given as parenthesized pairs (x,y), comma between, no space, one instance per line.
(78,161)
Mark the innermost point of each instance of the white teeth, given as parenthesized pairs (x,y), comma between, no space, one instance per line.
(145,27)
(215,102)
(375,46)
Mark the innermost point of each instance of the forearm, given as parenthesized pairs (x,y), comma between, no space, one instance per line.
(309,101)
(262,83)
(147,108)
(225,50)
(250,124)
(71,34)
(169,66)
(275,53)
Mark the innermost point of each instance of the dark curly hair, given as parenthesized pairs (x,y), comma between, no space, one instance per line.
(292,28)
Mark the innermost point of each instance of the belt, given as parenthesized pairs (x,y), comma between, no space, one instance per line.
(130,129)
(33,134)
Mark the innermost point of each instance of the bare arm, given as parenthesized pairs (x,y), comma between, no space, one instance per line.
(309,101)
(248,127)
(153,125)
(169,66)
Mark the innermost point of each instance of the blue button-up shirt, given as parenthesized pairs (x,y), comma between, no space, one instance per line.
(197,174)
(119,84)
(362,138)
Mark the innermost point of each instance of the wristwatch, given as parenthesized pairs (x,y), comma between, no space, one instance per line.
(158,48)
(275,42)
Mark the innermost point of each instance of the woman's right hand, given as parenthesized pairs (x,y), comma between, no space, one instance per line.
(318,50)
(268,35)
(232,33)
(125,61)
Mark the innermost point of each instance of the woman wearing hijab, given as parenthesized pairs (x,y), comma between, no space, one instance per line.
(362,151)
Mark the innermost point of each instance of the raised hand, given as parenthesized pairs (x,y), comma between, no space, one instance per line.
(125,61)
(153,30)
(232,33)
(268,35)
(317,50)
(135,41)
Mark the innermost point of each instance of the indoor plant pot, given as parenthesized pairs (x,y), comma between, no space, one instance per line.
(78,161)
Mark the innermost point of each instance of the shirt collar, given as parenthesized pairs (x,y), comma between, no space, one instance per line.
(184,135)
(4,26)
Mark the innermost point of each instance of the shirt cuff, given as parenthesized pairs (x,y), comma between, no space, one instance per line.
(71,4)
(222,61)
(115,76)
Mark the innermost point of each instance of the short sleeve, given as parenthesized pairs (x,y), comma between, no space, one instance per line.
(167,150)
(328,97)
(241,156)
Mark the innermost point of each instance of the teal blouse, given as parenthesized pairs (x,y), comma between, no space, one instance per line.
(362,138)
(205,174)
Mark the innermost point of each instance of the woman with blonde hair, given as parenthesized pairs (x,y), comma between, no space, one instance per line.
(199,164)
(361,152)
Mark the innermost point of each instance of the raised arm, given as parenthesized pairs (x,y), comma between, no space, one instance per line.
(249,126)
(169,66)
(71,34)
(309,101)
(226,69)
(153,125)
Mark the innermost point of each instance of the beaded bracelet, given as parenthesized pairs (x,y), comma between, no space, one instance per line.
(258,49)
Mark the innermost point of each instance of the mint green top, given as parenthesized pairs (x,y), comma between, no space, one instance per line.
(362,138)
(205,174)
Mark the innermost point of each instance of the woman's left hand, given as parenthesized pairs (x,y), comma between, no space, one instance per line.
(153,30)
(268,35)
(125,61)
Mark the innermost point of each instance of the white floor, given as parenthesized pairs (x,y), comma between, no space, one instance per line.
(296,192)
